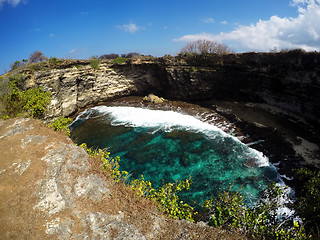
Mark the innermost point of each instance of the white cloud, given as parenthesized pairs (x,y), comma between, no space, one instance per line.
(131,27)
(281,33)
(51,35)
(72,51)
(224,22)
(297,2)
(208,20)
(76,52)
(13,3)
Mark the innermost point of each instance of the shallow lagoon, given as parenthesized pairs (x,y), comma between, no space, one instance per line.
(166,146)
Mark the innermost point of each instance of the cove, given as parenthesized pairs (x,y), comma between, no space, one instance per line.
(166,146)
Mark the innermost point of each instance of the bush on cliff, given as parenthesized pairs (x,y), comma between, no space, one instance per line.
(119,60)
(94,62)
(260,221)
(61,124)
(29,103)
(227,211)
(203,46)
(308,202)
(166,196)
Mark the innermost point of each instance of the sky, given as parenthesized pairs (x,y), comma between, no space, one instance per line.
(80,29)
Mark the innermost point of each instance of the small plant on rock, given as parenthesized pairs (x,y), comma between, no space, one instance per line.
(119,60)
(94,62)
(61,124)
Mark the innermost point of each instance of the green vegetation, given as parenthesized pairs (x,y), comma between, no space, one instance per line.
(29,103)
(308,202)
(260,221)
(17,64)
(119,60)
(166,196)
(227,211)
(53,61)
(61,124)
(94,63)
(79,66)
(192,69)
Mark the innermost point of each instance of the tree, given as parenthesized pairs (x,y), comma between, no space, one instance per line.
(37,56)
(130,55)
(17,64)
(203,46)
(109,56)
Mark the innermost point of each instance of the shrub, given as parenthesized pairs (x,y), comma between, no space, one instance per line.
(260,221)
(130,55)
(37,66)
(94,63)
(32,102)
(166,196)
(308,203)
(17,64)
(109,56)
(203,46)
(53,61)
(61,124)
(37,56)
(119,60)
(35,102)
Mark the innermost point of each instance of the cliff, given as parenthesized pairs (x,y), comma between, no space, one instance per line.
(289,81)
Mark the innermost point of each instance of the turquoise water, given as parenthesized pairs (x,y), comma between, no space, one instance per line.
(166,146)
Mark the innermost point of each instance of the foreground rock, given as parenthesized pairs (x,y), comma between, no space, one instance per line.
(51,189)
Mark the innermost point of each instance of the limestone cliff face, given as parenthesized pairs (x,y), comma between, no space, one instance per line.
(290,81)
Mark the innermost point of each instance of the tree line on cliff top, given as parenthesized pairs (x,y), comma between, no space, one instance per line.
(201,52)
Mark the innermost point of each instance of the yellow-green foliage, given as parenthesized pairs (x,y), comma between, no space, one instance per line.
(229,211)
(110,165)
(61,124)
(165,196)
(94,63)
(308,202)
(30,103)
(53,61)
(119,60)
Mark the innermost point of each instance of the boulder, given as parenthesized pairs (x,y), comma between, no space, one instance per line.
(153,99)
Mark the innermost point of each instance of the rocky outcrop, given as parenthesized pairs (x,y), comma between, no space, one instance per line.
(153,99)
(290,81)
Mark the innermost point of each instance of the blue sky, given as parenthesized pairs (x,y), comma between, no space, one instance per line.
(83,28)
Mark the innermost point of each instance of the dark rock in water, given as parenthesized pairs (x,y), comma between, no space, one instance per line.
(187,159)
(251,163)
(141,139)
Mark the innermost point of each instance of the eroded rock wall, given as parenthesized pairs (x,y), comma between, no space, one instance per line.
(288,81)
